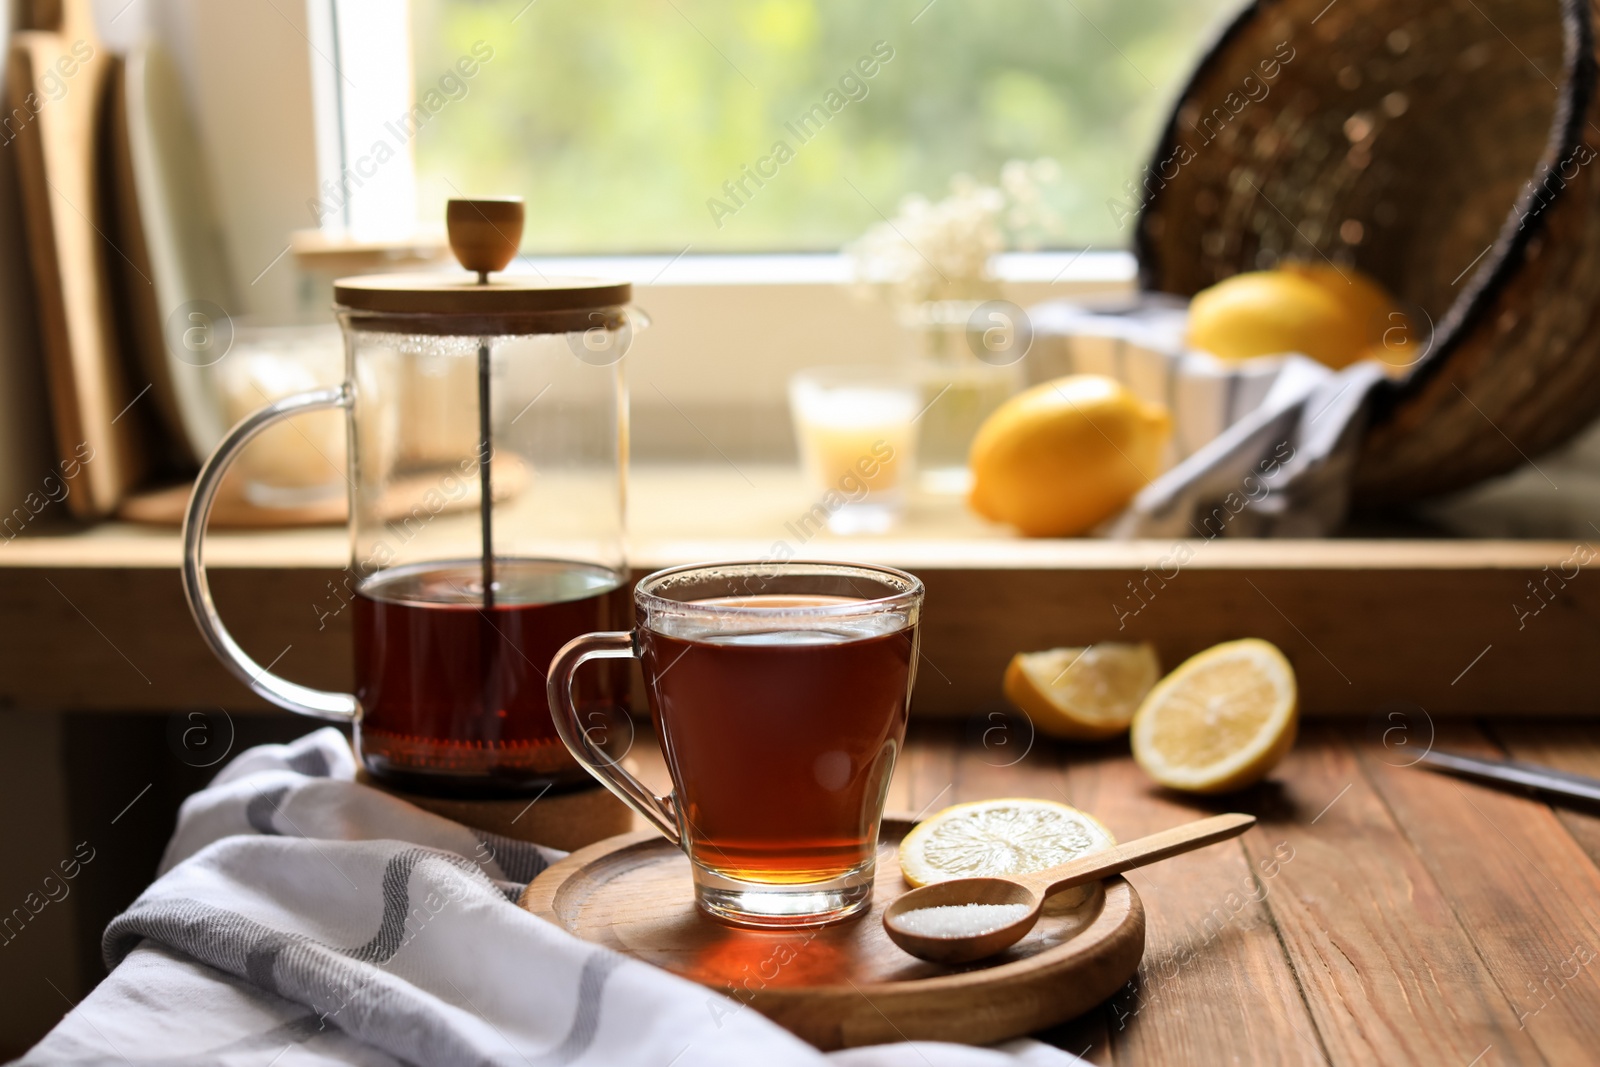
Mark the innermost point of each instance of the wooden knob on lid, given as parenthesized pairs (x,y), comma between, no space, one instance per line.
(485,234)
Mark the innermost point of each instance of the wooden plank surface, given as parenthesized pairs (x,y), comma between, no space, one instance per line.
(1389,970)
(1379,913)
(1523,889)
(1209,934)
(1567,746)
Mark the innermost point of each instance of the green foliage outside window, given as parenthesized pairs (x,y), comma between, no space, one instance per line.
(651,125)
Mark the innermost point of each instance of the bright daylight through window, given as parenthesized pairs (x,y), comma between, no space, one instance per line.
(794,125)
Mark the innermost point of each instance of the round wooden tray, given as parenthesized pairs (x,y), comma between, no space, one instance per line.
(847,984)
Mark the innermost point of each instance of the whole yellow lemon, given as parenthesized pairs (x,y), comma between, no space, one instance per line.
(1388,330)
(1334,315)
(1364,299)
(1061,457)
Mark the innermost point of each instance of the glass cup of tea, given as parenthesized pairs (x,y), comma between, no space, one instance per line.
(779,693)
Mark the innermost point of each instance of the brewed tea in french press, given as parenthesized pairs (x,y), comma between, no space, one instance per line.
(487,428)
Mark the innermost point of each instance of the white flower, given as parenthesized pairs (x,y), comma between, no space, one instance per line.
(937,250)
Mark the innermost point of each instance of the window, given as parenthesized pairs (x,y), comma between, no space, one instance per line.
(639,126)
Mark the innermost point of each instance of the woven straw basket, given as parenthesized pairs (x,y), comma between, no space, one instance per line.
(1441,146)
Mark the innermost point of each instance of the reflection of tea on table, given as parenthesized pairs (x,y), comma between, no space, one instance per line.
(857,441)
(782,739)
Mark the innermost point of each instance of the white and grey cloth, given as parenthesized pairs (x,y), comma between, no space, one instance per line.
(301,918)
(1263,448)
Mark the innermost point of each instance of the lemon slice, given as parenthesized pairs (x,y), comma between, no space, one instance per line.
(1013,835)
(1082,693)
(1221,721)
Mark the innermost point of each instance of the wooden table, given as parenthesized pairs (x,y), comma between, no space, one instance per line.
(96,628)
(1378,913)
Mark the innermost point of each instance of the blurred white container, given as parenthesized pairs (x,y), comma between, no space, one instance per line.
(295,463)
(1139,341)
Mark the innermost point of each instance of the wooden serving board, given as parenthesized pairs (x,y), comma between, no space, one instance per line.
(845,985)
(62,201)
(167,505)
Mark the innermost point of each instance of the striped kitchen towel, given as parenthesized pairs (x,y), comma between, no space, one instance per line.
(1139,341)
(1260,448)
(301,918)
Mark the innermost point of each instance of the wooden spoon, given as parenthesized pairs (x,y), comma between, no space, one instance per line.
(1030,890)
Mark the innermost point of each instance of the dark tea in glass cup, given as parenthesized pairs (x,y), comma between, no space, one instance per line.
(779,693)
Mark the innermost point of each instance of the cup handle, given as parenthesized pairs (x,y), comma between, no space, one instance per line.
(197,589)
(611,644)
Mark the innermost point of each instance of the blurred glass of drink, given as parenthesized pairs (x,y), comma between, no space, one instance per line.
(855,427)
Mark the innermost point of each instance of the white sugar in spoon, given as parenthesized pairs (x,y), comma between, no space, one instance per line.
(967,919)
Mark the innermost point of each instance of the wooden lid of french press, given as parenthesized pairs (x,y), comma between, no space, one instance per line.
(485,236)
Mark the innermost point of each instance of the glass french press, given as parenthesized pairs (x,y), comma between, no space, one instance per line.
(487,428)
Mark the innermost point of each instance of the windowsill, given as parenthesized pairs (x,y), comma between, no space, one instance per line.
(1088,267)
(680,512)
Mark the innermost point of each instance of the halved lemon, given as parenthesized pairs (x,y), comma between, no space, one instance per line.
(1082,693)
(1221,721)
(1012,835)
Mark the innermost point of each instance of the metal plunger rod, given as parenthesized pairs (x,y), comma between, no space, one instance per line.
(490,687)
(484,235)
(485,493)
